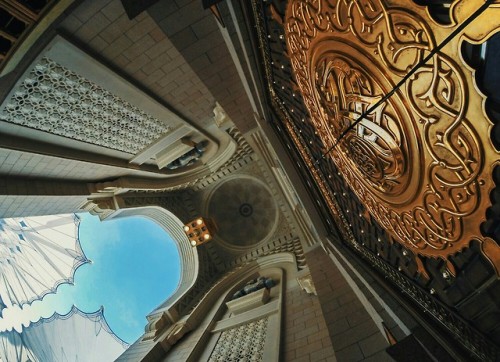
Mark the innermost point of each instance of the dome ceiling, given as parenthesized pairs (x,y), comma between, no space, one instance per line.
(244,211)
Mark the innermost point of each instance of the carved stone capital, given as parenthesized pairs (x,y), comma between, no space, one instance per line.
(155,327)
(221,118)
(174,334)
(306,282)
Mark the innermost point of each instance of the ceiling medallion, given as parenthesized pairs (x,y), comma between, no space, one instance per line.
(422,160)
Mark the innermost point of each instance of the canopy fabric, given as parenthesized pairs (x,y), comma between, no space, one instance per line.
(76,336)
(37,254)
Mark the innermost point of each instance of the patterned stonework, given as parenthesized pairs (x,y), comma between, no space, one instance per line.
(418,161)
(56,100)
(241,344)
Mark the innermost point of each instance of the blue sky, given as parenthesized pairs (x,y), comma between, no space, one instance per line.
(135,267)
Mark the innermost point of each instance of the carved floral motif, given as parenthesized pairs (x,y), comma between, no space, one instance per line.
(417,161)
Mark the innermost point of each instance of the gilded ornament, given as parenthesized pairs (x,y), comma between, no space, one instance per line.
(422,160)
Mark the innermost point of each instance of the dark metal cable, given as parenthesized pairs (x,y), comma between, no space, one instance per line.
(433,52)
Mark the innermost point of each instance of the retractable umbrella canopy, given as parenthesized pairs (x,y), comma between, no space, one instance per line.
(37,254)
(76,336)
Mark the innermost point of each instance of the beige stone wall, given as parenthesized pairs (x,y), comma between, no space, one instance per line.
(353,332)
(305,334)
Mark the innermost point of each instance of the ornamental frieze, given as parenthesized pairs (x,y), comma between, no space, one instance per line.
(421,160)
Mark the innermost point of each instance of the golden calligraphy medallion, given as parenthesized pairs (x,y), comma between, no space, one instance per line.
(421,162)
